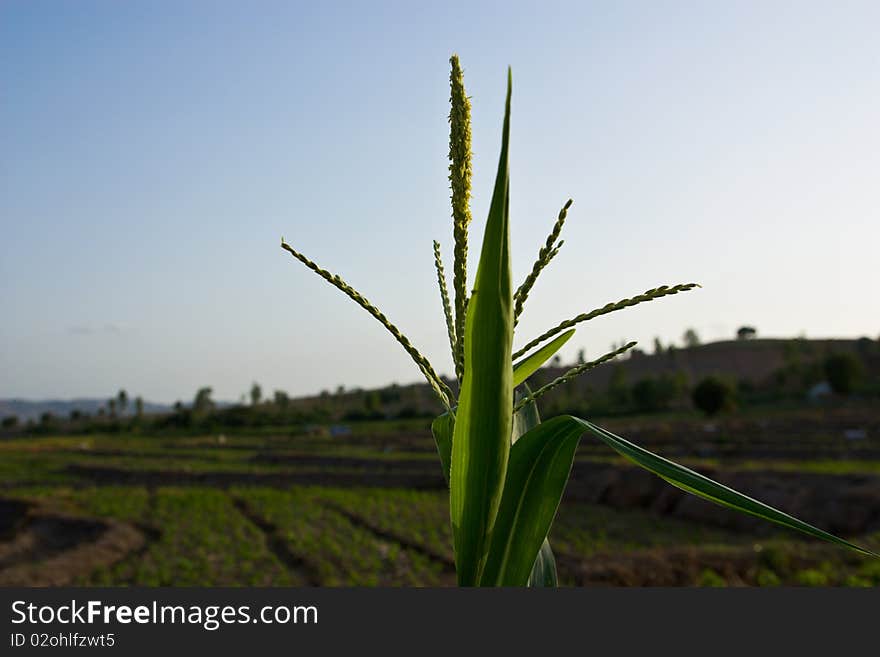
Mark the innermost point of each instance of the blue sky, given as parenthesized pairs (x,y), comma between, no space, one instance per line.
(152,154)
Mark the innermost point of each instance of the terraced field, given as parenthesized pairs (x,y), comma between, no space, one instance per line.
(369,508)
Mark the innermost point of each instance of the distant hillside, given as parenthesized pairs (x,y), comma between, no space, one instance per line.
(757,362)
(762,371)
(754,361)
(32,410)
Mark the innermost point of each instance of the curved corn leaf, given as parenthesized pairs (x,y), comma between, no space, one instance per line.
(540,462)
(544,570)
(481,439)
(526,367)
(700,485)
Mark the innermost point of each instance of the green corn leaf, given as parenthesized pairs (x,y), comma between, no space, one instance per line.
(481,439)
(540,462)
(526,367)
(544,570)
(524,420)
(702,486)
(442,428)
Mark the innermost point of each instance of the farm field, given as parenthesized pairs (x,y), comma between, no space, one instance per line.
(369,507)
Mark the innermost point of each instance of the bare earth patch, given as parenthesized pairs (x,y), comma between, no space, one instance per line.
(39,547)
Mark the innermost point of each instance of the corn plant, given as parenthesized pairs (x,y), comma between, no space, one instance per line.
(507,470)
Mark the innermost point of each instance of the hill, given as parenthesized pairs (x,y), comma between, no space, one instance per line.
(752,361)
(26,409)
(772,368)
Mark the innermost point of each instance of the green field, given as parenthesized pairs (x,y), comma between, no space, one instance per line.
(370,509)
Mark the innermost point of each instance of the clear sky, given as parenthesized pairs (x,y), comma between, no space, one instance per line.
(152,154)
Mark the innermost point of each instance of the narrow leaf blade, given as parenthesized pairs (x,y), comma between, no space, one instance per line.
(442,428)
(481,439)
(700,485)
(544,571)
(540,462)
(524,420)
(528,366)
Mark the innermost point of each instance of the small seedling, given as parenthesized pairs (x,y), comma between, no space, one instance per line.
(506,469)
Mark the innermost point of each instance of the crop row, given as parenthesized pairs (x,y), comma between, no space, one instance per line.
(334,551)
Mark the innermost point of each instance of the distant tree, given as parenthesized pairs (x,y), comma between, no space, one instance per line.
(256,394)
(203,404)
(46,419)
(746,333)
(373,402)
(139,407)
(658,346)
(122,399)
(843,372)
(111,406)
(408,412)
(101,411)
(713,395)
(340,390)
(691,339)
(582,356)
(618,390)
(390,394)
(281,399)
(75,415)
(655,394)
(645,394)
(10,422)
(178,406)
(556,361)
